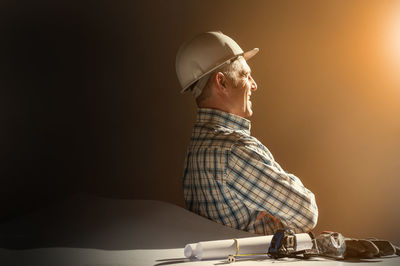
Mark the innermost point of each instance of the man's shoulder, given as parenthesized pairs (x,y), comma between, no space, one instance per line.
(251,147)
(210,134)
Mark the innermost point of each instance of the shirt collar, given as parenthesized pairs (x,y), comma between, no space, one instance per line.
(224,119)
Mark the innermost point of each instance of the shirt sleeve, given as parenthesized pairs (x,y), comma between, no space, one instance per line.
(262,186)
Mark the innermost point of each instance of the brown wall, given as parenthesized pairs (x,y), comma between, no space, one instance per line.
(327,106)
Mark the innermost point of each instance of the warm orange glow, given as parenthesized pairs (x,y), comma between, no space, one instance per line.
(328,106)
(393,39)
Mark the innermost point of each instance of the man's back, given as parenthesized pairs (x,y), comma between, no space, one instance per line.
(231,178)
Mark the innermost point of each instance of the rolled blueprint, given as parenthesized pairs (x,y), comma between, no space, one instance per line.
(190,250)
(249,245)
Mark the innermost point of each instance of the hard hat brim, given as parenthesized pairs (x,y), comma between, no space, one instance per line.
(249,54)
(246,55)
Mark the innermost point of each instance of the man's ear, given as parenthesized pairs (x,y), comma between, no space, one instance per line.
(221,82)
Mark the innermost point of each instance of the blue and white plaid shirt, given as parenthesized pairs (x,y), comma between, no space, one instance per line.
(231,178)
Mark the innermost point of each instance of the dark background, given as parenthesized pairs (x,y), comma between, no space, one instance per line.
(90,101)
(85,102)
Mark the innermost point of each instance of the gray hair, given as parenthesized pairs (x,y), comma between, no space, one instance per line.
(231,71)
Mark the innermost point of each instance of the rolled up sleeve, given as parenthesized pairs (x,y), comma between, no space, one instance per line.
(262,186)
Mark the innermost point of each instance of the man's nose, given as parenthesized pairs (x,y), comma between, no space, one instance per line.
(253,84)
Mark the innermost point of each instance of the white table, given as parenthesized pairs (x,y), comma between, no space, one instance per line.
(87,230)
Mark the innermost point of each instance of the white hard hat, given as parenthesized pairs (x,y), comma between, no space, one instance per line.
(203,54)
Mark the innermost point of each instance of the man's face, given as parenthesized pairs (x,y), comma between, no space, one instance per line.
(239,97)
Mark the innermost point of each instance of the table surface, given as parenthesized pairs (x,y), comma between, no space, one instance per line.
(88,230)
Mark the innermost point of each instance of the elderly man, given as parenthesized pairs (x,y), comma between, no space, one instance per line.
(229,176)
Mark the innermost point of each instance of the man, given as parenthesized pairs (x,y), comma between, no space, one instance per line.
(229,176)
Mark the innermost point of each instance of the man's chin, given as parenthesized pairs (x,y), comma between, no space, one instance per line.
(249,110)
(248,113)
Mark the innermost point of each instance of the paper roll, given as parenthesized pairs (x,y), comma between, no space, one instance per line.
(250,245)
(190,250)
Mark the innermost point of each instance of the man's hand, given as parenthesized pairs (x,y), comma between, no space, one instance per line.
(265,214)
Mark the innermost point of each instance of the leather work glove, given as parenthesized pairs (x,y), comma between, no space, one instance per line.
(360,248)
(385,247)
(334,245)
(369,248)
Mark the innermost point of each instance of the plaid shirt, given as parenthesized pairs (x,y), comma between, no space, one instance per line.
(230,177)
